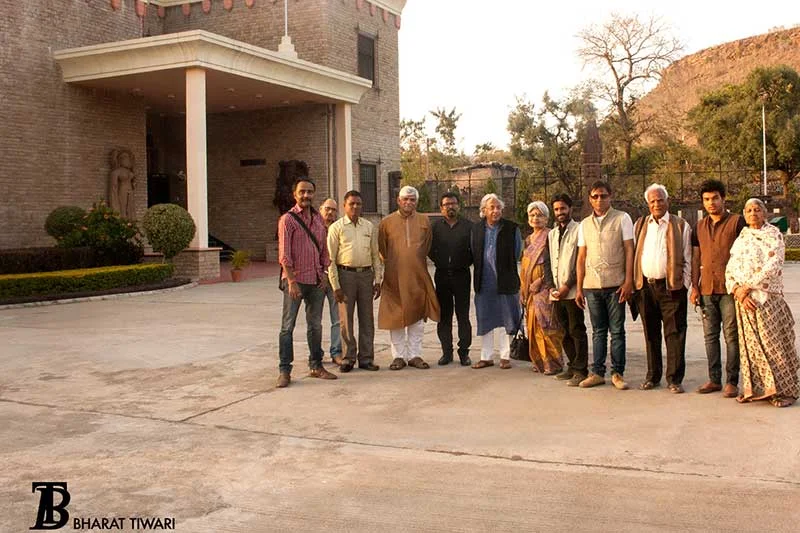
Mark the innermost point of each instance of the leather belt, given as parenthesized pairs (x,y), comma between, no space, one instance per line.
(653,281)
(355,269)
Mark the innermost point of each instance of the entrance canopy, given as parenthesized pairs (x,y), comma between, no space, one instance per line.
(239,76)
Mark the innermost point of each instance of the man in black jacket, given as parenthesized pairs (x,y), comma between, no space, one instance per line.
(452,255)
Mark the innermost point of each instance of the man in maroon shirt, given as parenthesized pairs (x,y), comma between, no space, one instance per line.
(712,239)
(304,260)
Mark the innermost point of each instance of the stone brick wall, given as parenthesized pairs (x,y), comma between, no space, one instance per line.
(376,119)
(240,210)
(57,138)
(197,264)
(261,25)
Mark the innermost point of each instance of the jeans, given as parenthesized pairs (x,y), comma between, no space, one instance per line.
(336,330)
(452,290)
(313,298)
(719,312)
(607,315)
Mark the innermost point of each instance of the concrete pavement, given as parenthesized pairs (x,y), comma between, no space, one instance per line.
(164,406)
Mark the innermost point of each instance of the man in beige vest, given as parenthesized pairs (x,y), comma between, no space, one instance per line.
(662,273)
(605,282)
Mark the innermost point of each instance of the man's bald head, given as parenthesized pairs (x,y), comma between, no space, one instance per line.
(329,210)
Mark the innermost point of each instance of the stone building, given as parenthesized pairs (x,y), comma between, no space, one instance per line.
(474,181)
(212,98)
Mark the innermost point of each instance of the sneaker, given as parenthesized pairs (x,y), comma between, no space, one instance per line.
(575,380)
(565,375)
(618,381)
(283,380)
(592,381)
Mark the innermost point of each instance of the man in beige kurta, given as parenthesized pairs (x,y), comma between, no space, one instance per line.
(407,294)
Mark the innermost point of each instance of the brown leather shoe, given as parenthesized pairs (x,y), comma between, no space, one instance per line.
(710,386)
(338,360)
(730,390)
(483,363)
(283,380)
(321,373)
(369,366)
(505,364)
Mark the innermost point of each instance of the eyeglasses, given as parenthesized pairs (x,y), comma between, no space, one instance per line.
(599,196)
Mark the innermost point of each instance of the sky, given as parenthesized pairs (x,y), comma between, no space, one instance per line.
(479,55)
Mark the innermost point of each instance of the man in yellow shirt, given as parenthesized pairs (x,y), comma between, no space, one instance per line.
(356,280)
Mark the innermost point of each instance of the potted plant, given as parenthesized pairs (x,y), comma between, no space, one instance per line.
(239,260)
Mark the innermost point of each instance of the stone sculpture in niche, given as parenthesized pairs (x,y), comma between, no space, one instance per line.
(121,183)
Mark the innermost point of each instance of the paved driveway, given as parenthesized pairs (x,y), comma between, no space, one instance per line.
(164,406)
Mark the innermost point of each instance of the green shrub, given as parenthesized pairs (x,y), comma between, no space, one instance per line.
(75,281)
(793,254)
(115,240)
(64,220)
(24,260)
(169,228)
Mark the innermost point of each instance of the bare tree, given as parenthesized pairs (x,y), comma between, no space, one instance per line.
(634,52)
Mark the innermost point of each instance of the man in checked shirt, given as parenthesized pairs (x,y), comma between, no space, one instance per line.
(303,256)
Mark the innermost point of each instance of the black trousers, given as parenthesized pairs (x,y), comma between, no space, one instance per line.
(576,344)
(657,306)
(452,290)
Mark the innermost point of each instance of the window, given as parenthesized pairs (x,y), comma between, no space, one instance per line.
(366,57)
(369,187)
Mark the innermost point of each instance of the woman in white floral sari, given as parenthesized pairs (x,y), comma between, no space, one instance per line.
(767,354)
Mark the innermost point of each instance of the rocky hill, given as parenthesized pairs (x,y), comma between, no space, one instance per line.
(686,80)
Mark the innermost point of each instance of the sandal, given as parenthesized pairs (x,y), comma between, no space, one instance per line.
(648,385)
(781,401)
(418,362)
(505,364)
(742,399)
(483,364)
(397,363)
(676,388)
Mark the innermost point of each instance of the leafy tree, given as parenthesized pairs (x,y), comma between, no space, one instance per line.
(169,228)
(633,53)
(728,121)
(551,138)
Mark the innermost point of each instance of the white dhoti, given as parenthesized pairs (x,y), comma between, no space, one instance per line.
(407,341)
(487,344)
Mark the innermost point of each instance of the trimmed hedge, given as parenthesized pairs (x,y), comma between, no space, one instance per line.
(25,260)
(793,254)
(90,279)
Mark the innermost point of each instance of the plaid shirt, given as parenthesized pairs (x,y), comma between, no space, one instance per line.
(296,250)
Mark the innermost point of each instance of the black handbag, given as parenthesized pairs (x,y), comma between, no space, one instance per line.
(519,344)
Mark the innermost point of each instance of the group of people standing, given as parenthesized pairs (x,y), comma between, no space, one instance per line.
(731,264)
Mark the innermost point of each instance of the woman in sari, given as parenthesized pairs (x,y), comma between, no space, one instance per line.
(496,247)
(767,355)
(544,333)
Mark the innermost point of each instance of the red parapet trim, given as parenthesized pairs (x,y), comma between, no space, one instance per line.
(115,4)
(187,9)
(397,21)
(206,6)
(227,4)
(162,12)
(249,3)
(141,8)
(359,4)
(372,9)
(385,15)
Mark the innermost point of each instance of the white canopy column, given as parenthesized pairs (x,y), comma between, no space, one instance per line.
(196,163)
(344,150)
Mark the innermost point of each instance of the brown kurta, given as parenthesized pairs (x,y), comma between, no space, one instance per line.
(407,293)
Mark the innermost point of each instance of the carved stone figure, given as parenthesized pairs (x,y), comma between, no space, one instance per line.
(121,183)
